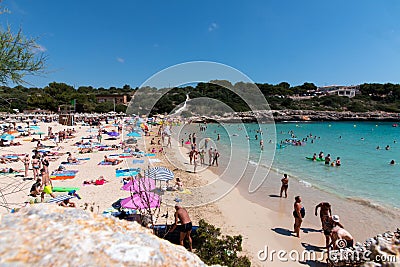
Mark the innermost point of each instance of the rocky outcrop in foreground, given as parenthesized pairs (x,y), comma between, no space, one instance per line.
(382,250)
(48,235)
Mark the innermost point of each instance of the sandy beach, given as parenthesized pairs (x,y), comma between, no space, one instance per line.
(262,225)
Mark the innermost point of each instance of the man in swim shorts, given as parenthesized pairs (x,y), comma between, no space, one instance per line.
(47,185)
(182,216)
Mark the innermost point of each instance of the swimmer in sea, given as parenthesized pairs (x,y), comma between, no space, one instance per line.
(387,147)
(392,162)
(314,157)
(338,161)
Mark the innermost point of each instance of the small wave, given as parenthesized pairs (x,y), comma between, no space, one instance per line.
(306,184)
(253,163)
(370,204)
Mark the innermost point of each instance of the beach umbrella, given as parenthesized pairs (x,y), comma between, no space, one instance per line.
(142,200)
(7,137)
(159,173)
(113,134)
(143,184)
(133,134)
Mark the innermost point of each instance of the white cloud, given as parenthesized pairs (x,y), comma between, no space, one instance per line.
(120,60)
(213,26)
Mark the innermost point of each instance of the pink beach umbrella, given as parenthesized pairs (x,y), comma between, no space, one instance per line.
(140,185)
(142,200)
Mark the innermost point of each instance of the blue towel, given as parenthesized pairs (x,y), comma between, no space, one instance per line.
(138,161)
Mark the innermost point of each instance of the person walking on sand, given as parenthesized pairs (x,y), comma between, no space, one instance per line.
(201,154)
(285,185)
(35,166)
(191,154)
(216,156)
(26,160)
(47,185)
(194,160)
(182,216)
(169,144)
(298,214)
(210,156)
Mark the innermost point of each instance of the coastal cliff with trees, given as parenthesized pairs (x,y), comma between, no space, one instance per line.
(283,99)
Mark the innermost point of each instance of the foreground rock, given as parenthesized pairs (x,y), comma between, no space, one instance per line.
(48,235)
(382,250)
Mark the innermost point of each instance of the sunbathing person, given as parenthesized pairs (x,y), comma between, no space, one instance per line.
(113,161)
(71,159)
(86,150)
(4,160)
(9,170)
(12,143)
(67,203)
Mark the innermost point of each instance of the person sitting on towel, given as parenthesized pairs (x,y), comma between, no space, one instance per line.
(35,189)
(71,159)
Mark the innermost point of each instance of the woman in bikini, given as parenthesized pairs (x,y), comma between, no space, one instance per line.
(26,162)
(35,167)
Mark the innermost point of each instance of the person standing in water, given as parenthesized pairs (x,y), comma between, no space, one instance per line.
(328,159)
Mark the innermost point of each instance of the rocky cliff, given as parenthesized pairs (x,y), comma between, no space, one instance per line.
(48,235)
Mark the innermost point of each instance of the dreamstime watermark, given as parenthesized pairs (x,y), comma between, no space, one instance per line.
(285,256)
(155,90)
(339,255)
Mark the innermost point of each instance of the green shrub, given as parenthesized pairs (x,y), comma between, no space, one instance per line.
(213,248)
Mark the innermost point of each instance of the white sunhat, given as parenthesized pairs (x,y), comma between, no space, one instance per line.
(336,218)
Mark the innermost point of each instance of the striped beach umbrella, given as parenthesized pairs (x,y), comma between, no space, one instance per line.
(159,173)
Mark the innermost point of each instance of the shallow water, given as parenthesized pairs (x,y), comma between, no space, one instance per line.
(363,190)
(365,174)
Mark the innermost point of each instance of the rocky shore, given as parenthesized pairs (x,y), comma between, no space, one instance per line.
(301,115)
(382,250)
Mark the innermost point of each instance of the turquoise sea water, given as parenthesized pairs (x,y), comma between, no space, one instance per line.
(365,173)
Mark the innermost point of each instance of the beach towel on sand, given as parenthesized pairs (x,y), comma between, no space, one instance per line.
(138,161)
(73,163)
(107,163)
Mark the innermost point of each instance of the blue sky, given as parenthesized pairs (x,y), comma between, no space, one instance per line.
(112,43)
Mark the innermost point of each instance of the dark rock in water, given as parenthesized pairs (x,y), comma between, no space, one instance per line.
(48,235)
